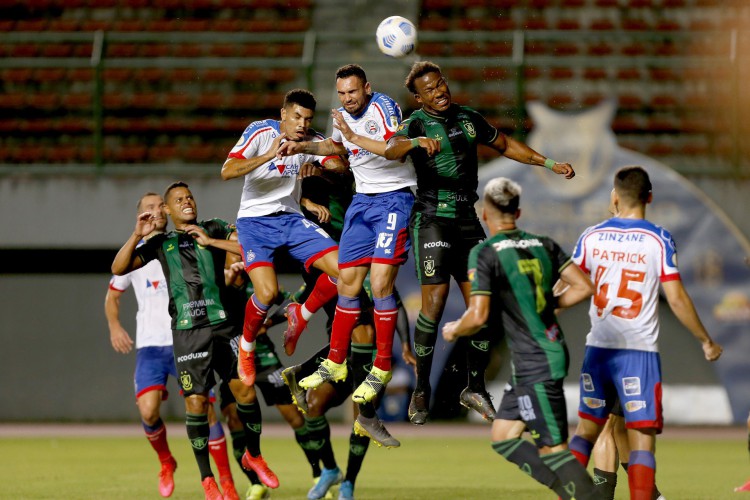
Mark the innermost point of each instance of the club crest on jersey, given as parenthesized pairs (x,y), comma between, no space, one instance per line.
(249,256)
(186,381)
(394,121)
(553,333)
(429,268)
(470,130)
(371,127)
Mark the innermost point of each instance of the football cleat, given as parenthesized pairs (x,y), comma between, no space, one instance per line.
(481,402)
(296,324)
(374,383)
(328,371)
(166,477)
(346,491)
(257,492)
(246,366)
(227,486)
(299,395)
(375,430)
(328,477)
(211,489)
(744,487)
(418,408)
(257,464)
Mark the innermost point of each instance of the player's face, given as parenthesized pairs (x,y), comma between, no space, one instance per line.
(181,206)
(433,92)
(296,121)
(353,94)
(154,205)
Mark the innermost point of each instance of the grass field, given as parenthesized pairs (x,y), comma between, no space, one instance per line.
(454,465)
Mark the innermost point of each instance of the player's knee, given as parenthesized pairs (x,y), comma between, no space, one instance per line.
(150,416)
(266,293)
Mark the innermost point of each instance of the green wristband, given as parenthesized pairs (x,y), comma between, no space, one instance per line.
(415,143)
(549,163)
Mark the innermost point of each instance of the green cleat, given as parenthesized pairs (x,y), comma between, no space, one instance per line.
(374,429)
(374,383)
(328,371)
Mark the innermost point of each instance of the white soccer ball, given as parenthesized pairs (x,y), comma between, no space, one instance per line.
(396,36)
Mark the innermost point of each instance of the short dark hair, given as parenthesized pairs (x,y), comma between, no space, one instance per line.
(140,200)
(175,185)
(633,184)
(303,97)
(419,69)
(351,70)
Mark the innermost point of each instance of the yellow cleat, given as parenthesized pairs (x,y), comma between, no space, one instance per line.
(328,371)
(257,492)
(374,383)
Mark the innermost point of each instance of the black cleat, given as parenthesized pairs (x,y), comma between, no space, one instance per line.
(481,402)
(418,408)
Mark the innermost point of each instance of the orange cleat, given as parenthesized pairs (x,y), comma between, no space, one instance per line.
(296,324)
(246,366)
(166,477)
(230,492)
(744,487)
(211,489)
(257,464)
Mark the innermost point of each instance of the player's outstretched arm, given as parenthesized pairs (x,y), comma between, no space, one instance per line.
(239,167)
(473,319)
(203,239)
(125,260)
(317,148)
(516,150)
(683,307)
(398,147)
(371,145)
(578,286)
(121,341)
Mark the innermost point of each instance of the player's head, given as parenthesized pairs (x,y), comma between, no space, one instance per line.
(353,89)
(154,204)
(179,203)
(501,200)
(297,113)
(632,189)
(430,89)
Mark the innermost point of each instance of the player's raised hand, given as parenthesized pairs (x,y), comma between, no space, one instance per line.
(712,350)
(340,124)
(565,169)
(289,148)
(121,341)
(408,356)
(198,234)
(308,169)
(232,272)
(145,223)
(430,145)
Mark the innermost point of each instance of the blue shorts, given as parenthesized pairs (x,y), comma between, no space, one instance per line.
(260,237)
(376,229)
(153,365)
(633,377)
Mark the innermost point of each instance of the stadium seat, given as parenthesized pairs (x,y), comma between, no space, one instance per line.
(12,101)
(202,153)
(561,73)
(471,23)
(188,50)
(63,25)
(56,50)
(18,76)
(500,24)
(130,25)
(249,75)
(78,101)
(629,101)
(293,25)
(31,25)
(461,74)
(163,153)
(281,75)
(497,73)
(595,74)
(211,101)
(45,102)
(118,74)
(434,23)
(289,49)
(49,75)
(179,101)
(501,49)
(153,50)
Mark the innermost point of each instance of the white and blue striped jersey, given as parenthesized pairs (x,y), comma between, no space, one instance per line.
(374,173)
(273,186)
(153,323)
(626,259)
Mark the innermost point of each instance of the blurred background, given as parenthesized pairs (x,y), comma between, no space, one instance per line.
(104,100)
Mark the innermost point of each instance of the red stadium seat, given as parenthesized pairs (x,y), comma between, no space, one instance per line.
(45,102)
(95,25)
(498,73)
(499,48)
(24,50)
(500,24)
(249,75)
(430,5)
(293,25)
(202,153)
(227,25)
(195,25)
(239,101)
(461,74)
(211,101)
(188,50)
(432,49)
(130,153)
(63,25)
(179,101)
(50,75)
(466,49)
(153,50)
(115,101)
(560,100)
(568,24)
(12,101)
(630,101)
(561,73)
(118,74)
(149,75)
(163,153)
(281,75)
(76,101)
(629,74)
(595,74)
(565,48)
(185,75)
(146,100)
(434,24)
(289,49)
(31,25)
(18,75)
(535,23)
(471,24)
(122,50)
(129,25)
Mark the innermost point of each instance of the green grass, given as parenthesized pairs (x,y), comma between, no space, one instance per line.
(423,468)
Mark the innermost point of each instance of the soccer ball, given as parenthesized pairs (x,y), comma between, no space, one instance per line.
(396,36)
